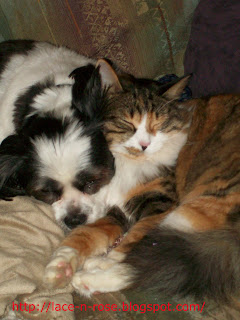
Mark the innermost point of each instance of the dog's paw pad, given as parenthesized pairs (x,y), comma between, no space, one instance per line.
(61,268)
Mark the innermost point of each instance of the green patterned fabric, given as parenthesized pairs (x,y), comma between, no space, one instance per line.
(145,37)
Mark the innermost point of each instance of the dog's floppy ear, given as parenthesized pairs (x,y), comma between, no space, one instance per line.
(81,77)
(87,93)
(91,87)
(12,159)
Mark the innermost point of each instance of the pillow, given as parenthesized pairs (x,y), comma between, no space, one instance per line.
(213,51)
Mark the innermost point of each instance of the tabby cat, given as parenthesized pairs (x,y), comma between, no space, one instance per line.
(180,244)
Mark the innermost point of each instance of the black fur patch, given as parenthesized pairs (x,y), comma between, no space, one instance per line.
(47,125)
(12,47)
(81,76)
(45,189)
(89,102)
(14,155)
(24,101)
(100,154)
(234,214)
(202,265)
(116,215)
(90,181)
(18,173)
(148,204)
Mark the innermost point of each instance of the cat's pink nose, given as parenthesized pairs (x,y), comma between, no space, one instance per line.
(144,144)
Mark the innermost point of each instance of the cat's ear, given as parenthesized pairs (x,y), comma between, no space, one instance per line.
(128,81)
(109,78)
(176,90)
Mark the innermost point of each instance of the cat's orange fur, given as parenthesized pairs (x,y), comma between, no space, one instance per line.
(201,223)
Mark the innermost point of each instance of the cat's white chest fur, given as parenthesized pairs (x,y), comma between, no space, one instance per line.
(129,173)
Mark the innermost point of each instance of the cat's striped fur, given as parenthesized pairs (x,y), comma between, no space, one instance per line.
(145,145)
(189,245)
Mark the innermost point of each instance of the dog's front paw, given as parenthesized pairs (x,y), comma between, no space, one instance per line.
(61,268)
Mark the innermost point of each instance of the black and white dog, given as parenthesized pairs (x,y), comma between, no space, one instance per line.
(52,146)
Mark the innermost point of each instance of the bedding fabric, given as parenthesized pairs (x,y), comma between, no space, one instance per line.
(28,236)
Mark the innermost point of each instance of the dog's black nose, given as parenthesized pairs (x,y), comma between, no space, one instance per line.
(72,220)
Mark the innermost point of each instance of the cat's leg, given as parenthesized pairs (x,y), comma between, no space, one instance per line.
(144,203)
(106,274)
(166,248)
(155,197)
(137,232)
(83,242)
(146,206)
(152,198)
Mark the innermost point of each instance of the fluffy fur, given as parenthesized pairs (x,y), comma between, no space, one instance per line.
(143,142)
(184,247)
(145,130)
(52,145)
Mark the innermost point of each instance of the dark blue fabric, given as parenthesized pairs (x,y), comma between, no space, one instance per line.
(187,93)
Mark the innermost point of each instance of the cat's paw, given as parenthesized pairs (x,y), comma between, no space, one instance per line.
(84,282)
(61,268)
(99,262)
(116,255)
(116,277)
(103,262)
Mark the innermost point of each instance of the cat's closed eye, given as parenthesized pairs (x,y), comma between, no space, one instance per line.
(130,125)
(124,126)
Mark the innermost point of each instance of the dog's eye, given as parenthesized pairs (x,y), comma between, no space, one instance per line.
(89,187)
(47,192)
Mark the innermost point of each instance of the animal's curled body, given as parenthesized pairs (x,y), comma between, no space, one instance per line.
(52,105)
(186,247)
(53,148)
